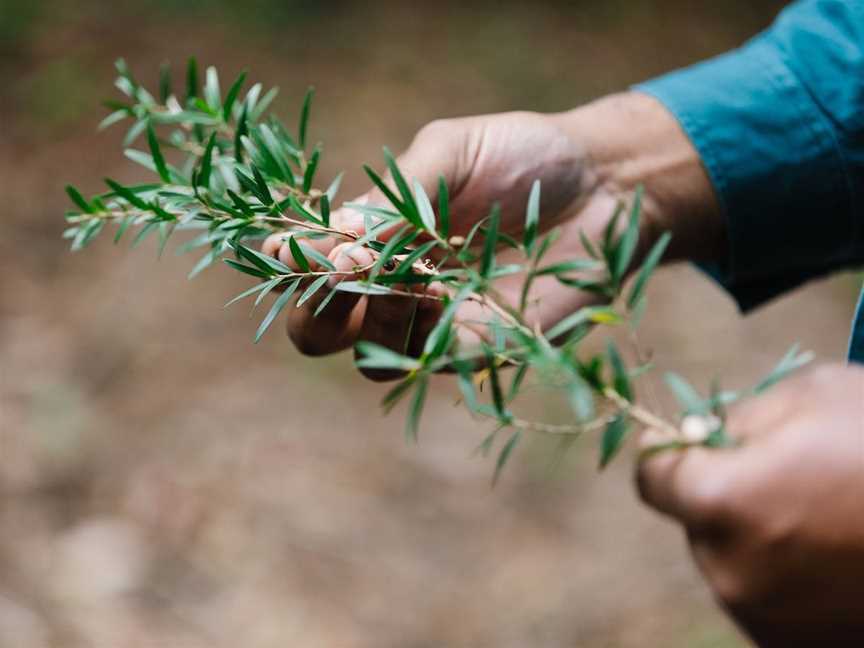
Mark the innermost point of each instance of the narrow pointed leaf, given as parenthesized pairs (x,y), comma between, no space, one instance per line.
(297,253)
(648,267)
(311,167)
(313,288)
(79,200)
(164,82)
(613,438)
(532,217)
(231,97)
(156,152)
(487,261)
(304,117)
(504,455)
(620,379)
(689,399)
(277,307)
(416,408)
(191,78)
(427,214)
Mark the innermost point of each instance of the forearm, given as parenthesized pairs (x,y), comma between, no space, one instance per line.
(631,139)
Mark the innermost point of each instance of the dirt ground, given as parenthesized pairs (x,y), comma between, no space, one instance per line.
(164,482)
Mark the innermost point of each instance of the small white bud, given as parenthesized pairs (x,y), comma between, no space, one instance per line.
(695,429)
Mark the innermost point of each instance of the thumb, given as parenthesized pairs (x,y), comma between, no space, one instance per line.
(689,484)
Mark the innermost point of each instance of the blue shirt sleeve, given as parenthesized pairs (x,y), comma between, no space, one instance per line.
(779,124)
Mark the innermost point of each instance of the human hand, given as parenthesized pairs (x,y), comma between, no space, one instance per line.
(496,158)
(776,525)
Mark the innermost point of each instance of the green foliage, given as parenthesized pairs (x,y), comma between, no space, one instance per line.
(231,174)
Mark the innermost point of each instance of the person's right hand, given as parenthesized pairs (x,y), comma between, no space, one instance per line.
(485,160)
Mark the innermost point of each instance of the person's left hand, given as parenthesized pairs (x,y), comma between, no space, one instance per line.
(776,525)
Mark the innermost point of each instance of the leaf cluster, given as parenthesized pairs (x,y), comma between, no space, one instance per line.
(232,173)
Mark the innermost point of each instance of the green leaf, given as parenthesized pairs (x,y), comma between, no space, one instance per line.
(263,191)
(792,361)
(629,239)
(301,211)
(443,207)
(134,131)
(124,225)
(620,379)
(686,395)
(79,200)
(320,259)
(516,383)
(424,207)
(363,288)
(126,194)
(311,167)
(250,291)
(262,105)
(250,270)
(158,159)
(191,78)
(504,455)
(266,263)
(402,186)
(532,217)
(495,384)
(207,163)
(299,258)
(613,438)
(145,231)
(164,82)
(545,244)
(647,269)
(576,265)
(416,408)
(212,93)
(277,307)
(270,285)
(588,245)
(487,260)
(333,189)
(325,301)
(313,288)
(376,356)
(113,118)
(304,117)
(231,97)
(580,397)
(325,210)
(593,314)
(398,241)
(204,262)
(241,132)
(388,193)
(419,253)
(441,334)
(397,393)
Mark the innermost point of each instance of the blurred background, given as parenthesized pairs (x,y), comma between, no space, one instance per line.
(163,482)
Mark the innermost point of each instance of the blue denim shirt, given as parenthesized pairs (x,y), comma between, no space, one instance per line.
(779,124)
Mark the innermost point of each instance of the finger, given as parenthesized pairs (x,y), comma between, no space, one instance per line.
(388,322)
(337,326)
(690,485)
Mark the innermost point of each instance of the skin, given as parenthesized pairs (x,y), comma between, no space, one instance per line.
(776,525)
